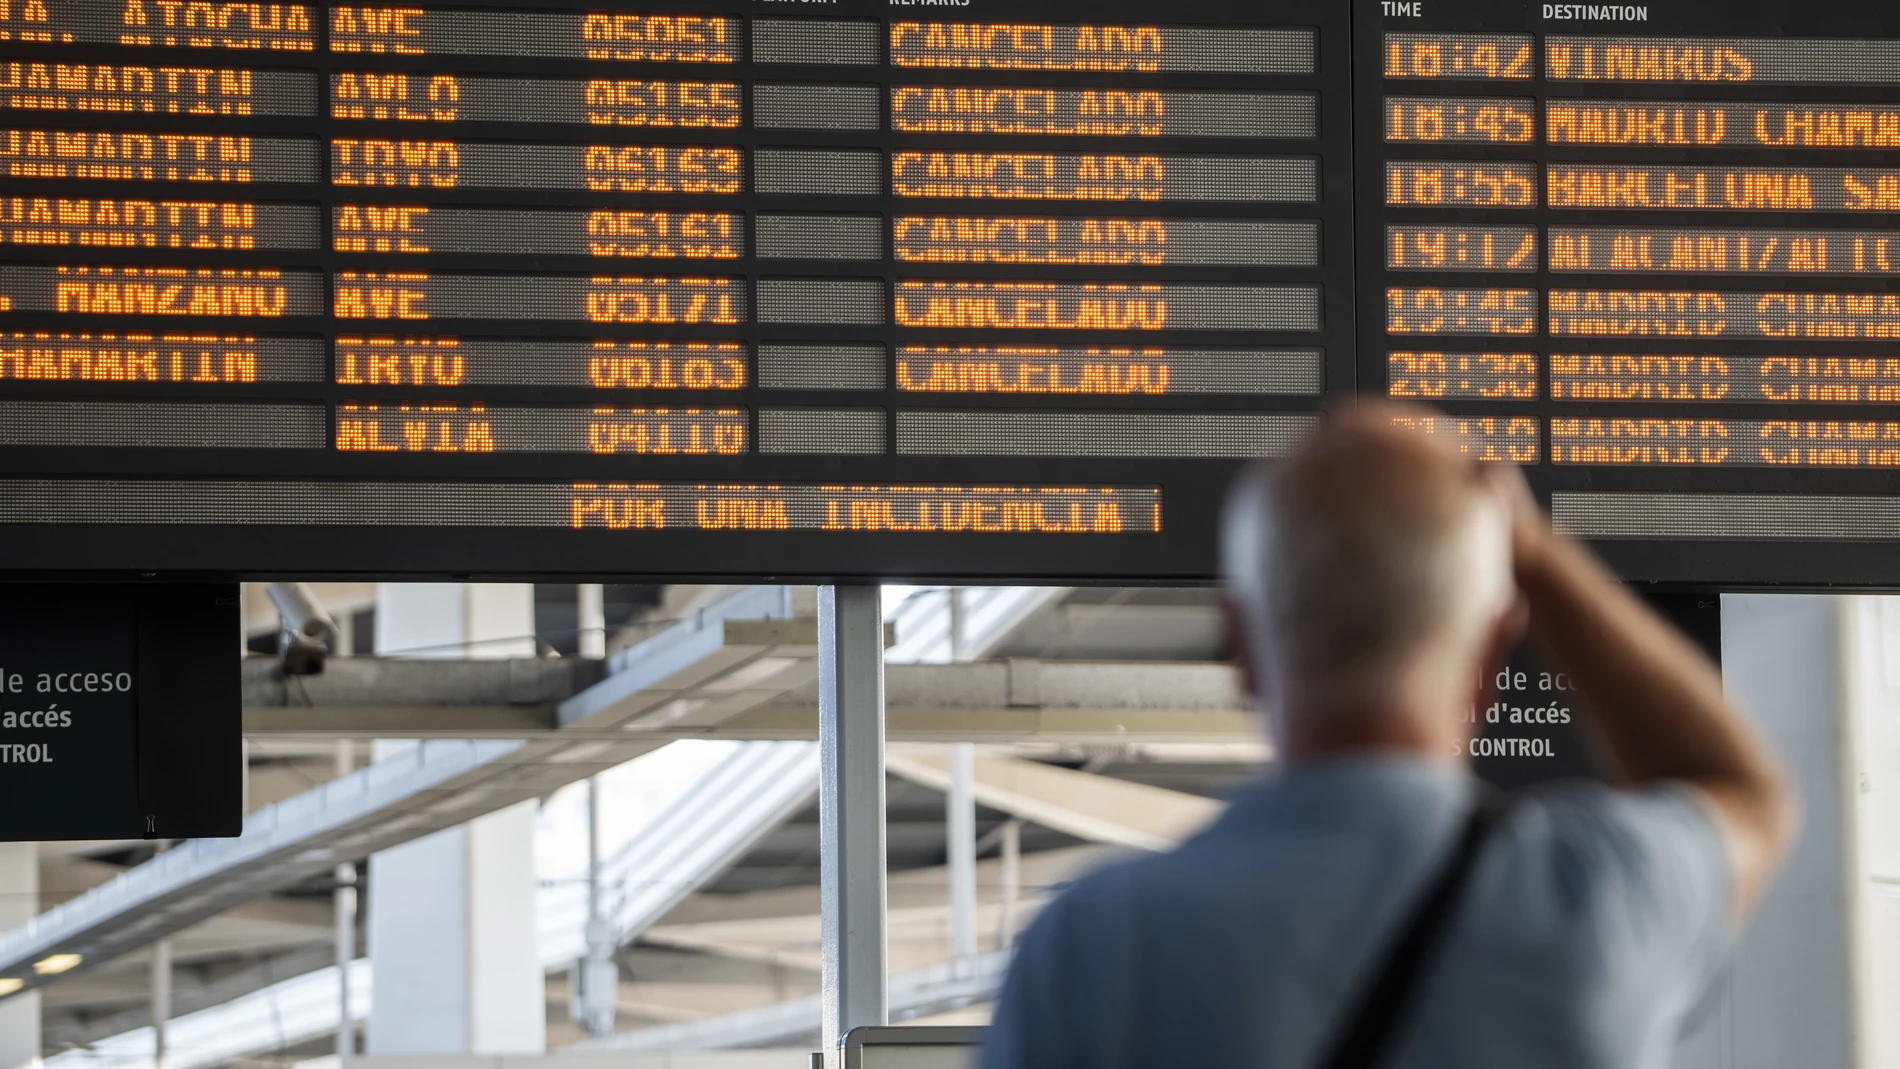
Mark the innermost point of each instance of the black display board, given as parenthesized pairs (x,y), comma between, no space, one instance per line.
(866,290)
(1644,250)
(119,712)
(769,290)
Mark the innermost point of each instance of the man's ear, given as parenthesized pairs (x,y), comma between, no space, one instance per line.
(1235,648)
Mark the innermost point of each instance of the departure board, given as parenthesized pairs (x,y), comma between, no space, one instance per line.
(1648,251)
(934,290)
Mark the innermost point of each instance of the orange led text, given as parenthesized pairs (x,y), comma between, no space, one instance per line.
(381,295)
(1025,46)
(641,365)
(204,358)
(140,224)
(612,102)
(126,155)
(379,162)
(1029,369)
(664,168)
(178,291)
(1027,175)
(964,239)
(665,300)
(941,109)
(125,88)
(394,95)
(1031,305)
(413,428)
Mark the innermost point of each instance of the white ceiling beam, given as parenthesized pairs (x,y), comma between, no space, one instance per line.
(781,927)
(1085,805)
(1043,868)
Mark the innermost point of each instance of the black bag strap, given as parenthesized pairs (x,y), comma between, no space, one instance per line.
(1368,1030)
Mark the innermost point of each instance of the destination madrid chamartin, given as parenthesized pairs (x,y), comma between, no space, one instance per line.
(950,290)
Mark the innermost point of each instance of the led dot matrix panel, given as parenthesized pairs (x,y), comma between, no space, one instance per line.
(1658,242)
(683,289)
(987,291)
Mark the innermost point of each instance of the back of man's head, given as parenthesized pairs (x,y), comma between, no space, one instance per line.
(1369,573)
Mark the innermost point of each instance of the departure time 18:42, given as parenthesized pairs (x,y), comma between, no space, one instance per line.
(1458,55)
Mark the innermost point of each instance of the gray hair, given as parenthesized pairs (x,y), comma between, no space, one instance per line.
(1350,566)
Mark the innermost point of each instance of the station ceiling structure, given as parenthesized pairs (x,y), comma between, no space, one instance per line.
(1088,751)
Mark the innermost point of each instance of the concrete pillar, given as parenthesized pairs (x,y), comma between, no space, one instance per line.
(343,922)
(454,620)
(451,916)
(590,613)
(853,897)
(1789,995)
(959,827)
(1010,878)
(161,1002)
(19,901)
(1875,792)
(959,626)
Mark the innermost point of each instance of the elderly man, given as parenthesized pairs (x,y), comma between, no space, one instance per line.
(1368,904)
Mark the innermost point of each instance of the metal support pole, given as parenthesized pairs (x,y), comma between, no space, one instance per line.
(1012,883)
(161,984)
(591,604)
(597,974)
(593,850)
(307,635)
(161,998)
(343,908)
(959,827)
(959,639)
(851,810)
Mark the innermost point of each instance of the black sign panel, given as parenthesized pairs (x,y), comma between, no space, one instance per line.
(119,713)
(864,290)
(1533,730)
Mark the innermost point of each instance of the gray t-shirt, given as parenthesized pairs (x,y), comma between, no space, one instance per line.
(1591,926)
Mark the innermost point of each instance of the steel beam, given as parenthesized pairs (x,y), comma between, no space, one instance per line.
(436,784)
(1082,703)
(935,989)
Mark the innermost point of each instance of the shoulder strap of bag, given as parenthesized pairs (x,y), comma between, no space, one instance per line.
(1368,1030)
